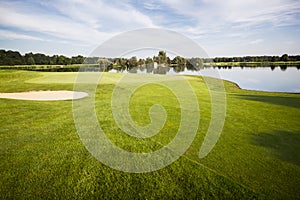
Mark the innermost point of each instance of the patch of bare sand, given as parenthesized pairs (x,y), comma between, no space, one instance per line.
(45,95)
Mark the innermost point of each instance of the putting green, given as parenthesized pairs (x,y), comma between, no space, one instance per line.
(70,77)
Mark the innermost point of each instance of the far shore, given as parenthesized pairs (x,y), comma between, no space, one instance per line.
(75,67)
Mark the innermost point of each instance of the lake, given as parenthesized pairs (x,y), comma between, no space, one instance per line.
(272,79)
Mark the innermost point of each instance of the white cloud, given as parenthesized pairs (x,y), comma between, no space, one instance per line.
(276,12)
(151,5)
(52,25)
(229,26)
(257,41)
(225,27)
(233,13)
(79,21)
(12,36)
(99,13)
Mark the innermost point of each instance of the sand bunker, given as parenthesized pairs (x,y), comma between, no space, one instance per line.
(45,95)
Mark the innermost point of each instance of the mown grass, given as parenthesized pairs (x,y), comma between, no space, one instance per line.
(49,68)
(43,157)
(254,64)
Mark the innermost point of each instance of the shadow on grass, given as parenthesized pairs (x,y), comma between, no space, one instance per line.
(284,145)
(283,101)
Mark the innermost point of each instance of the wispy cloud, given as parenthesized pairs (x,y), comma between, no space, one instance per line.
(103,15)
(83,21)
(257,41)
(216,23)
(152,5)
(16,36)
(216,13)
(56,26)
(224,23)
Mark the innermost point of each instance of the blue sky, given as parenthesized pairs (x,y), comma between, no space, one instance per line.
(220,27)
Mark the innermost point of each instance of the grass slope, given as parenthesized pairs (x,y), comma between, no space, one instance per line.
(43,157)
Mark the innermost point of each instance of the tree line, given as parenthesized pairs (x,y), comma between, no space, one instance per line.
(15,58)
(284,58)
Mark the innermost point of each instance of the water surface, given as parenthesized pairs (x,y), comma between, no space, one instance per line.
(272,79)
(259,78)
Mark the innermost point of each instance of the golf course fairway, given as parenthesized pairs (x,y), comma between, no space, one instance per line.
(42,156)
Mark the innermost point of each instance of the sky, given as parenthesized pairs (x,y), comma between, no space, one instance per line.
(220,27)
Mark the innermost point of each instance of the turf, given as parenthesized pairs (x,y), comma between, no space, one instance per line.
(42,156)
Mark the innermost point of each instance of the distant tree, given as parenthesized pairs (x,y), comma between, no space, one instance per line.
(247,59)
(162,57)
(141,62)
(284,57)
(91,60)
(179,60)
(2,56)
(149,64)
(53,60)
(294,58)
(77,59)
(30,61)
(103,62)
(194,63)
(274,59)
(63,60)
(132,62)
(155,59)
(13,58)
(149,60)
(121,63)
(168,60)
(26,59)
(179,63)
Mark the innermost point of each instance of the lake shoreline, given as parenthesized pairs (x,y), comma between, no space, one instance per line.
(244,78)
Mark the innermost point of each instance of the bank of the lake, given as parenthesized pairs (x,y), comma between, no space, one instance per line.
(264,76)
(268,79)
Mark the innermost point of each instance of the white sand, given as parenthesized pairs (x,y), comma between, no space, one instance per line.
(44,95)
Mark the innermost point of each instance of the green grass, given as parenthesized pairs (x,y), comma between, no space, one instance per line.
(255,64)
(41,155)
(48,68)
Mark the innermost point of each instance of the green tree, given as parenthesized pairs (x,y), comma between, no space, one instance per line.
(30,61)
(2,56)
(149,60)
(41,59)
(103,63)
(194,63)
(132,62)
(53,60)
(13,58)
(63,60)
(284,57)
(162,57)
(179,60)
(77,59)
(141,62)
